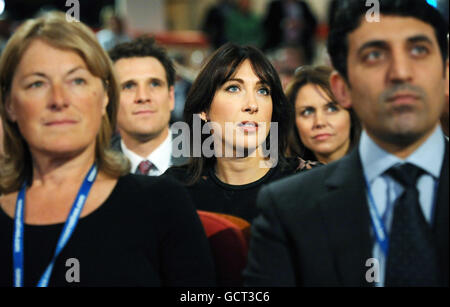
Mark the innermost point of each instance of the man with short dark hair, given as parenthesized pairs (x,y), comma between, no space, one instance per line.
(379,216)
(146,76)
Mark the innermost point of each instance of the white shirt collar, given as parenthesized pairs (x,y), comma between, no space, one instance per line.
(429,156)
(161,157)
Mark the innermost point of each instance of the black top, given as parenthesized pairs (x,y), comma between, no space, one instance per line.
(211,194)
(146,233)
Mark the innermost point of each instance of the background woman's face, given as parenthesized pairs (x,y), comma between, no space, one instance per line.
(323,126)
(245,103)
(55,100)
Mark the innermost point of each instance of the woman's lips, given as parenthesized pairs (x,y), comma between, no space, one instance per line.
(61,122)
(322,137)
(248,126)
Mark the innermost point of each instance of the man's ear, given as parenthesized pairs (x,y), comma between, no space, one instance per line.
(341,90)
(172,97)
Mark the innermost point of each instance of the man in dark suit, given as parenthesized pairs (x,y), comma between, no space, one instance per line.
(379,216)
(146,76)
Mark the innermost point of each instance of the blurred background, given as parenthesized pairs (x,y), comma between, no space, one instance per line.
(291,33)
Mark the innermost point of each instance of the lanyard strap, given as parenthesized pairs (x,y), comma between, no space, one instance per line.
(69,227)
(377,222)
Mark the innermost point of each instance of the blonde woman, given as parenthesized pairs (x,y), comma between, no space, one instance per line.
(65,197)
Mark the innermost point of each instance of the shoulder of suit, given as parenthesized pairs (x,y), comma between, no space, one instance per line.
(307,177)
(295,198)
(299,192)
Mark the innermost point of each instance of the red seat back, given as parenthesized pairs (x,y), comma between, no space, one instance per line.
(229,246)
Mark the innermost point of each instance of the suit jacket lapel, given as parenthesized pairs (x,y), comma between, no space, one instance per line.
(441,230)
(347,219)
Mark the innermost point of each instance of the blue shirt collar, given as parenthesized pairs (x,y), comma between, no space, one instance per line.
(429,156)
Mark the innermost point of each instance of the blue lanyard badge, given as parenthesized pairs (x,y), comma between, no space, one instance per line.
(377,222)
(65,235)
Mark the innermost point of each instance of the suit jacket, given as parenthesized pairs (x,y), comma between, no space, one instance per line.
(314,229)
(175,161)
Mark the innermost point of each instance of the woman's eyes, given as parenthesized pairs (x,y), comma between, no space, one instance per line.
(332,108)
(307,112)
(235,88)
(264,91)
(36,84)
(79,81)
(232,88)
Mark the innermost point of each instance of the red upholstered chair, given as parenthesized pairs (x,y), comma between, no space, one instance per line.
(228,239)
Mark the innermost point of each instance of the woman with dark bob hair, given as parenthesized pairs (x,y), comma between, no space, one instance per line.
(61,185)
(323,131)
(238,104)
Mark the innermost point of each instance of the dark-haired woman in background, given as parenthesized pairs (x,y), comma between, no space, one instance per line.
(323,131)
(238,86)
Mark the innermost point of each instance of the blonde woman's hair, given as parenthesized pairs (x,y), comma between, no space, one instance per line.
(55,30)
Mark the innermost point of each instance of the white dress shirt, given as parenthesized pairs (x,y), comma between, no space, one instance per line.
(161,157)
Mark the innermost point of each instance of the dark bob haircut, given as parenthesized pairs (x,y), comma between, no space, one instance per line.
(350,14)
(320,76)
(220,67)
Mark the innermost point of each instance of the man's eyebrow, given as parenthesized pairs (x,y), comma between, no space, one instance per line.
(151,79)
(128,81)
(157,79)
(419,39)
(373,44)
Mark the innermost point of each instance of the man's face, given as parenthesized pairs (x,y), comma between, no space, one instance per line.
(396,79)
(146,100)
